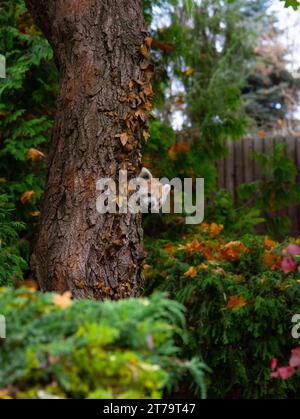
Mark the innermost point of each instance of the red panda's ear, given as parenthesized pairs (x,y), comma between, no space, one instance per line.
(145,174)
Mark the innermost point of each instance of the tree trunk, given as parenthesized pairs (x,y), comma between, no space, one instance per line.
(101,50)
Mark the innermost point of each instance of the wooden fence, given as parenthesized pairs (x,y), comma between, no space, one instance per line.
(238,167)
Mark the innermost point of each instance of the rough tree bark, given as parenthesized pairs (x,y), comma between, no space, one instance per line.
(101,50)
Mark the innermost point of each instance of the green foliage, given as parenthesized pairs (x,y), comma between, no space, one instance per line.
(11,262)
(278,188)
(198,79)
(239,309)
(29,83)
(207,83)
(120,349)
(236,219)
(167,157)
(27,105)
(189,4)
(218,55)
(155,151)
(291,3)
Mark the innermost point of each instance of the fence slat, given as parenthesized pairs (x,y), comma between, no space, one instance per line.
(221,171)
(248,162)
(257,146)
(229,169)
(238,163)
(238,167)
(292,153)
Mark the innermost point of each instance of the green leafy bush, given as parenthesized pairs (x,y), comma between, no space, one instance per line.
(86,349)
(11,262)
(239,307)
(237,219)
(27,94)
(27,107)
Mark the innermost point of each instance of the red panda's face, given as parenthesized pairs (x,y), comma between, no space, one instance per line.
(142,194)
(152,193)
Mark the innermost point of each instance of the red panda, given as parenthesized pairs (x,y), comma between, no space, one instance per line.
(152,193)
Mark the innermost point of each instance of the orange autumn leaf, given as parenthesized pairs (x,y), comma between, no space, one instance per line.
(144,51)
(191,273)
(192,246)
(34,154)
(179,101)
(177,149)
(63,300)
(27,197)
(261,134)
(35,213)
(31,31)
(189,71)
(148,41)
(30,284)
(272,261)
(213,229)
(169,248)
(232,251)
(236,302)
(208,253)
(196,246)
(269,244)
(204,226)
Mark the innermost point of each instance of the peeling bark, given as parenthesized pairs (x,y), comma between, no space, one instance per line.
(105,89)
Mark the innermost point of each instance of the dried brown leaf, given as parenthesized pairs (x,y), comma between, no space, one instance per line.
(34,154)
(146,134)
(148,41)
(144,51)
(124,137)
(27,197)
